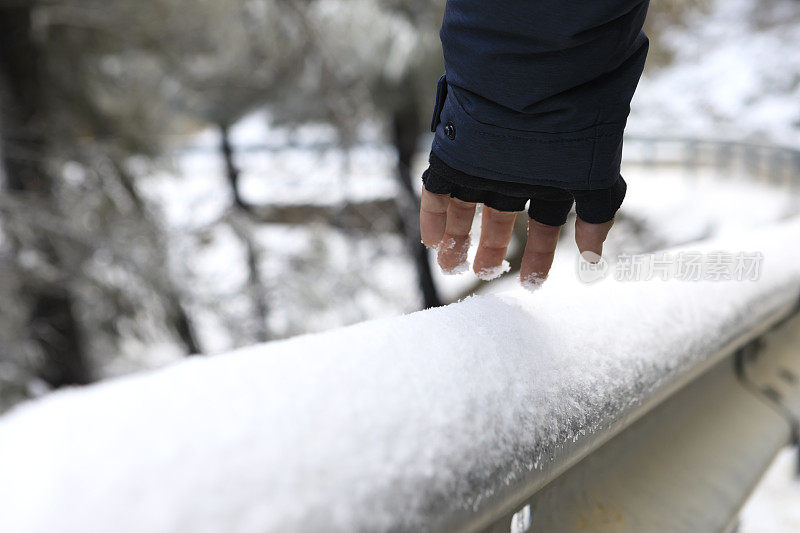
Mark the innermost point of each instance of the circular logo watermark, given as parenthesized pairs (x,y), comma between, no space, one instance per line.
(591,267)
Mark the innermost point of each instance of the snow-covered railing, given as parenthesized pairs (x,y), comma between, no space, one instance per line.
(447,419)
(632,406)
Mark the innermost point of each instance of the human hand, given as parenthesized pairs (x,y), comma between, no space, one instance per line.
(446,221)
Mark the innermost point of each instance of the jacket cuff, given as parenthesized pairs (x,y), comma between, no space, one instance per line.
(580,160)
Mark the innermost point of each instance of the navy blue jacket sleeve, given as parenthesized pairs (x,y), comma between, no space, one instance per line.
(538,91)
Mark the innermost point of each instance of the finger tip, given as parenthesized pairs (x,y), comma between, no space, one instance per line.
(591,256)
(451,254)
(532,282)
(460,268)
(488,273)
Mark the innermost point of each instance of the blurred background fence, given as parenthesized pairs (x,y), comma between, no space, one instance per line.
(776,165)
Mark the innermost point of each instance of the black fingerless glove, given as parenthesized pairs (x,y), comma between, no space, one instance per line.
(548,205)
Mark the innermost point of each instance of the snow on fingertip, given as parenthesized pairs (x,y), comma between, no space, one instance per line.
(460,255)
(488,274)
(458,269)
(532,282)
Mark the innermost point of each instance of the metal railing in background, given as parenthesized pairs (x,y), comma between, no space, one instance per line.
(776,165)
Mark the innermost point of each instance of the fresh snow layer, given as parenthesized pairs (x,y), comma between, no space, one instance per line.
(377,426)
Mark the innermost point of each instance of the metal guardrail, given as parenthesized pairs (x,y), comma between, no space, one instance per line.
(684,460)
(679,448)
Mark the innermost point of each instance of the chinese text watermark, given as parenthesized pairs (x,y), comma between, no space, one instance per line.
(683,266)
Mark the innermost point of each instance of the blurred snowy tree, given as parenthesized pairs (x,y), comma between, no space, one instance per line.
(665,14)
(371,59)
(84,254)
(87,85)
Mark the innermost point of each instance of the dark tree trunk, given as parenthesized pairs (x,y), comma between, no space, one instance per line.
(255,281)
(52,323)
(183,326)
(179,317)
(406,129)
(231,170)
(256,288)
(257,291)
